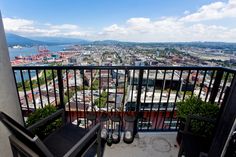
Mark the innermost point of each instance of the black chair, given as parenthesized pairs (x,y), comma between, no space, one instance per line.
(195,145)
(68,140)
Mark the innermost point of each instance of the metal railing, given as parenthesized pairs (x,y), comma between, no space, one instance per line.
(148,92)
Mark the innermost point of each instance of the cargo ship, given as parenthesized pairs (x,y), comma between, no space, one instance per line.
(43,49)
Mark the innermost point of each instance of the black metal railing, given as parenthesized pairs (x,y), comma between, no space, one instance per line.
(148,92)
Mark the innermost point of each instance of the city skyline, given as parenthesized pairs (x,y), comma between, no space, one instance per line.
(141,21)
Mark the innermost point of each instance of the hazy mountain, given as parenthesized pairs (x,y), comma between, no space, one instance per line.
(61,40)
(106,42)
(214,45)
(13,39)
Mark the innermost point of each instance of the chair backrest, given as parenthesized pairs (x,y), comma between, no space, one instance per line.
(25,136)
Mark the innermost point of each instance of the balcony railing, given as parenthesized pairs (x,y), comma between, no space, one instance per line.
(149,92)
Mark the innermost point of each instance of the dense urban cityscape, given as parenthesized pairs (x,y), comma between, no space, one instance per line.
(127,78)
(116,89)
(132,54)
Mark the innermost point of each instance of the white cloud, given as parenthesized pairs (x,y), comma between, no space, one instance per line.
(141,25)
(186,12)
(12,24)
(169,29)
(32,28)
(114,29)
(75,34)
(186,28)
(213,11)
(139,20)
(203,25)
(65,26)
(111,32)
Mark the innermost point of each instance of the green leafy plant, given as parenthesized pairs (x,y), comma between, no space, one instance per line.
(195,106)
(102,100)
(40,114)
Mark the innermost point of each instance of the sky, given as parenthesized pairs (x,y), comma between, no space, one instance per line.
(124,20)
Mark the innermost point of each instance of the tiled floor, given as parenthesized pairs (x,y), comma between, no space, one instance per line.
(147,145)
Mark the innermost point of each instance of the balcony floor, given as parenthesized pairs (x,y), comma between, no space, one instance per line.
(157,144)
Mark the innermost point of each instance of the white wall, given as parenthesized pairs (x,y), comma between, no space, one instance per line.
(8,95)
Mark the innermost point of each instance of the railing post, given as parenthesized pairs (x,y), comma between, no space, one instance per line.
(216,85)
(138,102)
(61,88)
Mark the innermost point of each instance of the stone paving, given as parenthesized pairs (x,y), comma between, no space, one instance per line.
(147,145)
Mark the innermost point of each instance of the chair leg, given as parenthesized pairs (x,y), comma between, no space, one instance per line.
(99,146)
(14,151)
(181,150)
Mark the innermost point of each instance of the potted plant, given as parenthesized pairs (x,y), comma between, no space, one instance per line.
(41,113)
(195,106)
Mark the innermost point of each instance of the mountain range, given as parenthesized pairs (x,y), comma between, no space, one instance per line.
(13,39)
(61,40)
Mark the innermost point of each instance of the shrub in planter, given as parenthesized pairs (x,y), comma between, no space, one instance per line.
(207,110)
(42,113)
(195,106)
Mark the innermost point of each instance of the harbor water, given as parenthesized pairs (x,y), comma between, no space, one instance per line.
(29,51)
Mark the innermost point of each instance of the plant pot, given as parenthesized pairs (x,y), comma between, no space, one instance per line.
(194,144)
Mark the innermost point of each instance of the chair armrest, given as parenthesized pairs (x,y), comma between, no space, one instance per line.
(45,120)
(19,147)
(76,149)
